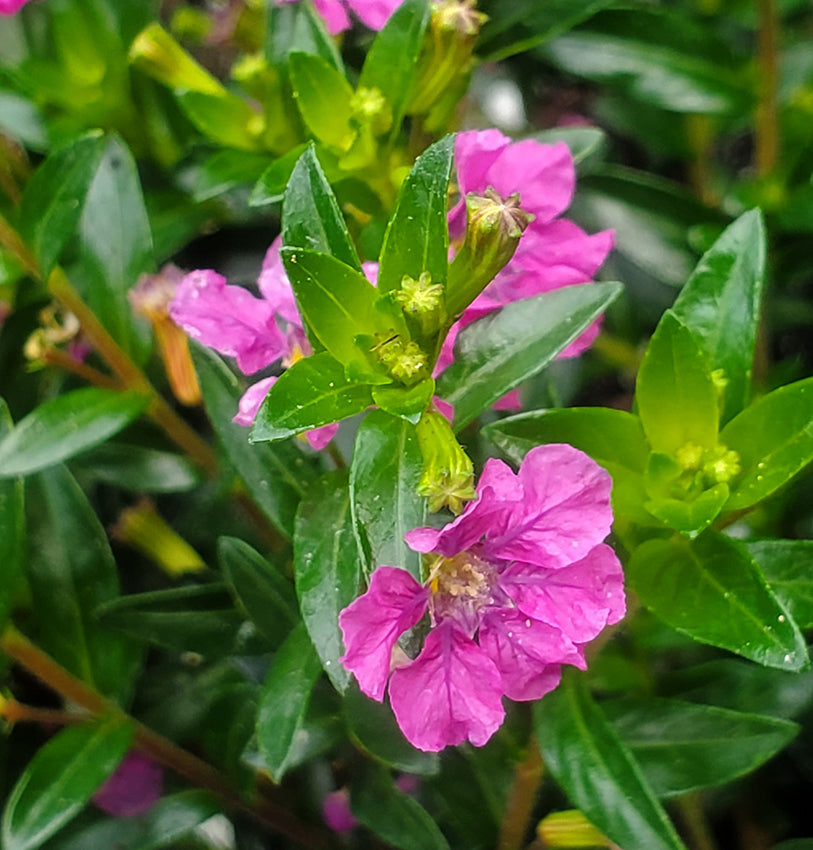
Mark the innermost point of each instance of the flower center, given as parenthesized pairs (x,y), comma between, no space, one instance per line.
(462,586)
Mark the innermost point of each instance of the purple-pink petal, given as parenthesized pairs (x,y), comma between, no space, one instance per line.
(251,400)
(579,600)
(374,13)
(276,287)
(372,624)
(133,788)
(450,693)
(10,7)
(318,438)
(229,319)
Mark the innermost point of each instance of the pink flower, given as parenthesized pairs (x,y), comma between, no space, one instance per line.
(132,789)
(10,7)
(516,586)
(553,252)
(372,13)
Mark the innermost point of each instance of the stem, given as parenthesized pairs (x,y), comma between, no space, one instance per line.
(269,813)
(17,712)
(10,240)
(57,357)
(766,122)
(527,779)
(697,826)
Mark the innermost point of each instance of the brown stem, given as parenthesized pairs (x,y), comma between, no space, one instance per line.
(268,812)
(58,357)
(527,779)
(697,826)
(766,120)
(17,712)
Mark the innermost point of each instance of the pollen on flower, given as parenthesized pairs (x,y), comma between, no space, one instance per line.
(419,296)
(405,361)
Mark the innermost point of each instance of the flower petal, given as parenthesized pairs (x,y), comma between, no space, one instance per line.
(449,694)
(251,400)
(374,13)
(372,624)
(132,788)
(320,437)
(276,287)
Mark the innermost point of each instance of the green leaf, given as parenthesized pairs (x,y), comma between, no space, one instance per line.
(372,727)
(137,468)
(406,402)
(222,117)
(327,566)
(720,305)
(60,779)
(312,393)
(786,566)
(711,590)
(311,218)
(597,771)
(661,58)
(295,26)
(12,528)
(65,426)
(22,120)
(270,188)
(682,747)
(391,63)
(585,143)
(267,596)
(499,352)
(384,476)
(401,821)
(196,618)
(227,170)
(674,392)
(774,439)
(55,195)
(284,699)
(692,516)
(417,237)
(115,246)
(276,476)
(71,572)
(324,97)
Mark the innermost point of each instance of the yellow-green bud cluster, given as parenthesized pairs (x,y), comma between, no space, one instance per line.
(405,361)
(369,106)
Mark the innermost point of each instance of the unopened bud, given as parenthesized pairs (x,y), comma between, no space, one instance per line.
(422,301)
(369,106)
(447,479)
(570,829)
(406,362)
(721,465)
(493,229)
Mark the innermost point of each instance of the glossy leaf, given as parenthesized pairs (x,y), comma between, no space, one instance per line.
(276,476)
(327,566)
(271,186)
(674,392)
(311,217)
(53,199)
(60,779)
(265,594)
(774,440)
(384,476)
(786,564)
(138,468)
(312,393)
(284,699)
(711,590)
(392,61)
(682,747)
(401,821)
(324,97)
(115,246)
(195,618)
(71,572)
(406,402)
(693,516)
(65,426)
(373,727)
(598,772)
(417,237)
(12,529)
(499,352)
(296,26)
(720,305)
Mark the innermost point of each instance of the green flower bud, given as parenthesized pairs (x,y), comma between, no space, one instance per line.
(405,361)
(370,107)
(447,479)
(570,829)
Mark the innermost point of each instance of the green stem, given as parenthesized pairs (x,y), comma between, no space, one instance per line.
(694,819)
(767,124)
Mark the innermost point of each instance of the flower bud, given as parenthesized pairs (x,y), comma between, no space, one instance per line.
(369,107)
(447,479)
(493,229)
(405,361)
(422,301)
(570,829)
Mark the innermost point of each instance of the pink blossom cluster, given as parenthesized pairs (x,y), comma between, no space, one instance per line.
(335,13)
(10,7)
(515,587)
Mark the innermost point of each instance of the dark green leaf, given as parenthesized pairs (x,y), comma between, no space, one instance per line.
(65,426)
(295,26)
(324,97)
(138,468)
(401,821)
(12,529)
(788,567)
(392,60)
(774,439)
(226,170)
(270,188)
(60,780)
(372,726)
(311,218)
(417,237)
(674,392)
(276,476)
(71,572)
(267,596)
(312,393)
(384,478)
(327,565)
(115,245)
(53,199)
(711,590)
(683,747)
(600,775)
(197,618)
(720,305)
(284,699)
(499,352)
